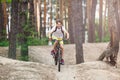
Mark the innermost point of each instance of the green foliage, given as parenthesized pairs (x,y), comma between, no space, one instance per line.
(1,1)
(106,38)
(23,58)
(8,1)
(36,41)
(28,30)
(42,41)
(4,43)
(66,41)
(96,36)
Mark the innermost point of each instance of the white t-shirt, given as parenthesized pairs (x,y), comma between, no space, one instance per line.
(58,32)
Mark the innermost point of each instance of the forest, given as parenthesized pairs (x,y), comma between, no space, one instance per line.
(27,23)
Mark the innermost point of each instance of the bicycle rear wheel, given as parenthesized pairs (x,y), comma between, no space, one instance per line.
(59,60)
(56,60)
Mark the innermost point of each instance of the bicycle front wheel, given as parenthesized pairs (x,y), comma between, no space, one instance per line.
(59,60)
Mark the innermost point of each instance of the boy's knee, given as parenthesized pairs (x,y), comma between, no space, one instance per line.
(62,47)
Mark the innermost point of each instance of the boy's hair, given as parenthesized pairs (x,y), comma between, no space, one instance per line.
(59,21)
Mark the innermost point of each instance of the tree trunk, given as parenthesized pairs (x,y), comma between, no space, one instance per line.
(40,21)
(70,25)
(40,24)
(23,24)
(65,13)
(100,21)
(35,14)
(5,15)
(13,32)
(61,9)
(38,17)
(119,10)
(1,20)
(91,19)
(31,12)
(112,50)
(57,9)
(5,19)
(45,12)
(84,20)
(117,16)
(77,21)
(105,20)
(51,17)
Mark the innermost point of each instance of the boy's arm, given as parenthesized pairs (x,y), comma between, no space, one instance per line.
(50,33)
(66,32)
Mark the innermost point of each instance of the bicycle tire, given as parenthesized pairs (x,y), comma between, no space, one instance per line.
(59,66)
(56,60)
(59,60)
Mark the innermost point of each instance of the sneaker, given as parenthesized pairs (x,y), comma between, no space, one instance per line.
(62,61)
(53,53)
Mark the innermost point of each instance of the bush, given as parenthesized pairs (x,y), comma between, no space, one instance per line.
(36,41)
(4,43)
(23,58)
(106,38)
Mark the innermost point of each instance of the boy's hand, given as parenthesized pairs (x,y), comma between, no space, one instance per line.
(67,38)
(50,39)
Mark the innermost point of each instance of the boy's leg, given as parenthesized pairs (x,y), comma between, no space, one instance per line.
(55,44)
(62,52)
(54,48)
(62,49)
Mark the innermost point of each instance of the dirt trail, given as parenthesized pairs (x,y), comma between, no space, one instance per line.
(42,53)
(43,67)
(67,73)
(70,71)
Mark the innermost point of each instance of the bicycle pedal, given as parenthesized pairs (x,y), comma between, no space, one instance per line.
(62,63)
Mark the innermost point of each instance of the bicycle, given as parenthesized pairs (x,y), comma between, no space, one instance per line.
(58,55)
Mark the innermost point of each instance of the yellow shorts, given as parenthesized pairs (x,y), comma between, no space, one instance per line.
(55,38)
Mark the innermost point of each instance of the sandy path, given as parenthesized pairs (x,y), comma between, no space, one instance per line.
(70,71)
(43,67)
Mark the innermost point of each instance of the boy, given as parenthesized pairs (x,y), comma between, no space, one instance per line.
(57,33)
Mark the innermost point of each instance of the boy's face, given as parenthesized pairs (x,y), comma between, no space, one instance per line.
(59,25)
